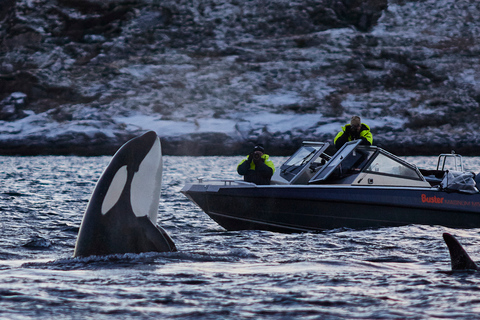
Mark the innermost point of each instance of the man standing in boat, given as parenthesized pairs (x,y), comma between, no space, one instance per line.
(354,131)
(257,167)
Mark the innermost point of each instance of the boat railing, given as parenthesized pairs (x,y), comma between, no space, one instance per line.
(445,159)
(227,182)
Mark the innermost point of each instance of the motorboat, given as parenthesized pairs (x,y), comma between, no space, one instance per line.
(357,187)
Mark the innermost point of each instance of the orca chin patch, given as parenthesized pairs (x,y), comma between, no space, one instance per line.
(146,184)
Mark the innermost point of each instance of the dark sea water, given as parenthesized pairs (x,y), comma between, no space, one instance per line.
(387,273)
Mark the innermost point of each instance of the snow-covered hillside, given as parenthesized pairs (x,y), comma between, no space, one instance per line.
(216,77)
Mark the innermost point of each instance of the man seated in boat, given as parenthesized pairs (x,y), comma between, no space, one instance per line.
(257,167)
(353,131)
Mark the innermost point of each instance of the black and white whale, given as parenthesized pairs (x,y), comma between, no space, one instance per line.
(458,256)
(122,212)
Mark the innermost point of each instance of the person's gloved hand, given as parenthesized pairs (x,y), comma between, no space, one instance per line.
(348,130)
(257,158)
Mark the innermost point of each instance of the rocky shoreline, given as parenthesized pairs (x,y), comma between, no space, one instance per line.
(220,144)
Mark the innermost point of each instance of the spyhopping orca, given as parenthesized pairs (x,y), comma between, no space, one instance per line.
(459,257)
(122,212)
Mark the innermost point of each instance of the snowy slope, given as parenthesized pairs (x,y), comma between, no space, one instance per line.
(413,77)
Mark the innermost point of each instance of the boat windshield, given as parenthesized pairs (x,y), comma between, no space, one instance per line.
(299,161)
(386,165)
(353,159)
(346,159)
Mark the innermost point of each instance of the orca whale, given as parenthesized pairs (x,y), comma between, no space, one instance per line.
(122,212)
(459,257)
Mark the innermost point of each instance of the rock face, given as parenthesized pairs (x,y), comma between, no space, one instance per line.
(11,108)
(72,71)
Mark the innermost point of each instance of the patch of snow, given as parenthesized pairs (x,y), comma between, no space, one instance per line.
(174,128)
(35,125)
(341,35)
(393,122)
(330,128)
(243,122)
(469,76)
(142,71)
(18,95)
(282,122)
(284,98)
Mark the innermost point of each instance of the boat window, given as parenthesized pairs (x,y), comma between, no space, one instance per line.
(342,161)
(320,161)
(386,165)
(295,165)
(357,160)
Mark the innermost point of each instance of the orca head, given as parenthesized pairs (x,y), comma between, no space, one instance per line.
(122,212)
(135,171)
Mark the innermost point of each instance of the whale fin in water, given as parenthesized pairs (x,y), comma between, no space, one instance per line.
(122,212)
(459,257)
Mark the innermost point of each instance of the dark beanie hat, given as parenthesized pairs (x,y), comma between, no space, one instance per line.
(259,147)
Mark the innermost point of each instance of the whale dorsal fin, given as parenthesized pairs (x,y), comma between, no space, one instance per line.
(459,257)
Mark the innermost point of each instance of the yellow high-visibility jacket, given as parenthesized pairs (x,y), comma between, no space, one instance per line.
(260,174)
(346,135)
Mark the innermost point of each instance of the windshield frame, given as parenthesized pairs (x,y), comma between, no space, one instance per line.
(292,169)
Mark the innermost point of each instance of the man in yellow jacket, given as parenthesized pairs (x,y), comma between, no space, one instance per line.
(257,167)
(354,131)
